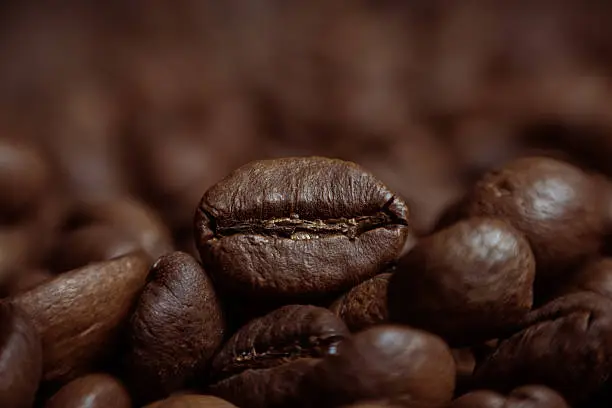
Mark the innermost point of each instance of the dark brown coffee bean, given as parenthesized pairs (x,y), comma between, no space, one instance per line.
(135,220)
(299,227)
(80,314)
(177,325)
(467,283)
(263,364)
(561,210)
(365,305)
(93,243)
(565,345)
(595,276)
(524,397)
(16,246)
(192,401)
(465,361)
(24,177)
(394,363)
(91,391)
(27,279)
(20,358)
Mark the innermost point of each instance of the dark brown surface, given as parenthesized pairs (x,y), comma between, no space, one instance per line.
(20,358)
(523,397)
(263,364)
(91,391)
(467,283)
(176,327)
(299,227)
(595,276)
(386,362)
(576,330)
(192,401)
(80,314)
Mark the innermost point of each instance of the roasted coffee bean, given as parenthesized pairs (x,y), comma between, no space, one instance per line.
(25,280)
(192,401)
(365,305)
(93,243)
(20,358)
(524,397)
(80,314)
(176,327)
(565,345)
(467,283)
(263,364)
(91,391)
(393,363)
(561,210)
(16,244)
(135,220)
(299,227)
(24,179)
(465,362)
(595,276)
(379,404)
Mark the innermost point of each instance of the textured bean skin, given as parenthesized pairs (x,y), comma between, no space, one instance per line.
(560,209)
(523,397)
(176,327)
(565,345)
(263,364)
(20,358)
(467,283)
(393,363)
(299,227)
(91,391)
(365,305)
(192,401)
(80,314)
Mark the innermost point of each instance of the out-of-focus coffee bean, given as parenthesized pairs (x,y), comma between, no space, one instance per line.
(192,401)
(16,244)
(523,397)
(385,362)
(467,283)
(299,227)
(595,276)
(80,314)
(365,305)
(91,391)
(264,363)
(560,209)
(554,347)
(25,280)
(176,327)
(20,358)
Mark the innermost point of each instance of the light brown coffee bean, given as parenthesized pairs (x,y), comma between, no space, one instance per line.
(91,391)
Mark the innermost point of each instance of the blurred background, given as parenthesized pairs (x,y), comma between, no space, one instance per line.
(151,102)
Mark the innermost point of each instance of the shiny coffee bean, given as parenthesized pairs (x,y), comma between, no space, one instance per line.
(192,401)
(595,276)
(91,391)
(365,305)
(264,363)
(467,283)
(523,397)
(80,314)
(393,363)
(175,329)
(89,244)
(561,210)
(20,358)
(298,227)
(565,345)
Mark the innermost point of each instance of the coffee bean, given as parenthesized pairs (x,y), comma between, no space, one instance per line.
(381,404)
(465,361)
(176,327)
(91,391)
(192,401)
(393,363)
(467,283)
(524,397)
(565,345)
(93,243)
(561,210)
(80,314)
(20,358)
(595,276)
(263,364)
(25,280)
(299,227)
(16,244)
(365,305)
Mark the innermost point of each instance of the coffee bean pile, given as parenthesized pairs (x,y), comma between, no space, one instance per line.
(310,204)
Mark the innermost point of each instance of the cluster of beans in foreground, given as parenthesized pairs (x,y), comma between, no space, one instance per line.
(312,291)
